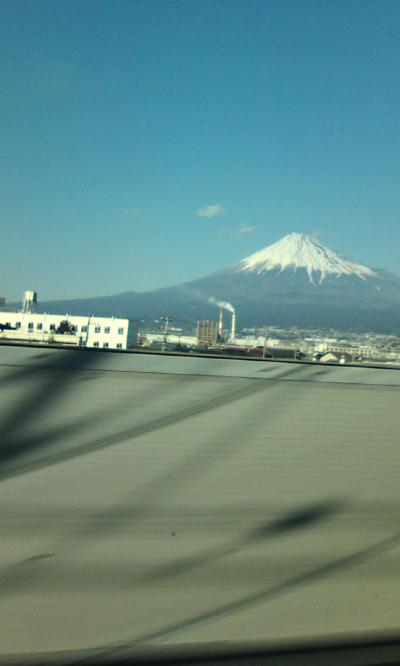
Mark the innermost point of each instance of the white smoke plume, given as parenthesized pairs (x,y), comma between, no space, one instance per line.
(222,304)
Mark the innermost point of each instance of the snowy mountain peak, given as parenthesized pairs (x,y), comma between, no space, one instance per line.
(301,251)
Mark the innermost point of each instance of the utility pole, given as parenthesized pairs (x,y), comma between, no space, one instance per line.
(88,331)
(166,320)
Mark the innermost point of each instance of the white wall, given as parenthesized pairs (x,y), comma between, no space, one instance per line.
(102,332)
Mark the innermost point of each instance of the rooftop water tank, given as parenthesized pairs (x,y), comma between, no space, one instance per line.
(29,301)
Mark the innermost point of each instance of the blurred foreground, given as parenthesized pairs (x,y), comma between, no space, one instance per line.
(161,501)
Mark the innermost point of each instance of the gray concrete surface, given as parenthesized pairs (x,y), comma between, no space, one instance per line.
(154,500)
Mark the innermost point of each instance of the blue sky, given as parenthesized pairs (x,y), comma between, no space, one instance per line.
(146,143)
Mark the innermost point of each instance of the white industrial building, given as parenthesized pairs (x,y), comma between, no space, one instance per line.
(27,325)
(172,338)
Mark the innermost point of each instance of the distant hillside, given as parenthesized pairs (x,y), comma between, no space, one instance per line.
(297,281)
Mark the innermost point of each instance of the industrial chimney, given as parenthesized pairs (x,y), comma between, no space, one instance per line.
(233,330)
(221,322)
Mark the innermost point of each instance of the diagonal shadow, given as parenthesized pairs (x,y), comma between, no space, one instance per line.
(299,519)
(262,596)
(194,465)
(56,377)
(23,574)
(191,467)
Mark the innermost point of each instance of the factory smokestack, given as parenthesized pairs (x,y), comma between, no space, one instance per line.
(224,305)
(221,321)
(233,330)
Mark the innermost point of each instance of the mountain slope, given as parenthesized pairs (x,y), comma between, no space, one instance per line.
(300,251)
(297,281)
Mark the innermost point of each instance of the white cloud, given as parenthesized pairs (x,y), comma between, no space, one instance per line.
(211,211)
(132,211)
(316,233)
(236,231)
(245,229)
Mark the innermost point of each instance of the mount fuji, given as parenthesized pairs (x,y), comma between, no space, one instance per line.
(297,281)
(298,251)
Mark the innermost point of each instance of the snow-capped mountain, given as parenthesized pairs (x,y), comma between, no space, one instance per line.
(301,251)
(296,281)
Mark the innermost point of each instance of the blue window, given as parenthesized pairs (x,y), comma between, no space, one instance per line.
(119,345)
(30,326)
(105,345)
(97,329)
(107,329)
(120,331)
(52,327)
(95,344)
(18,324)
(84,329)
(39,327)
